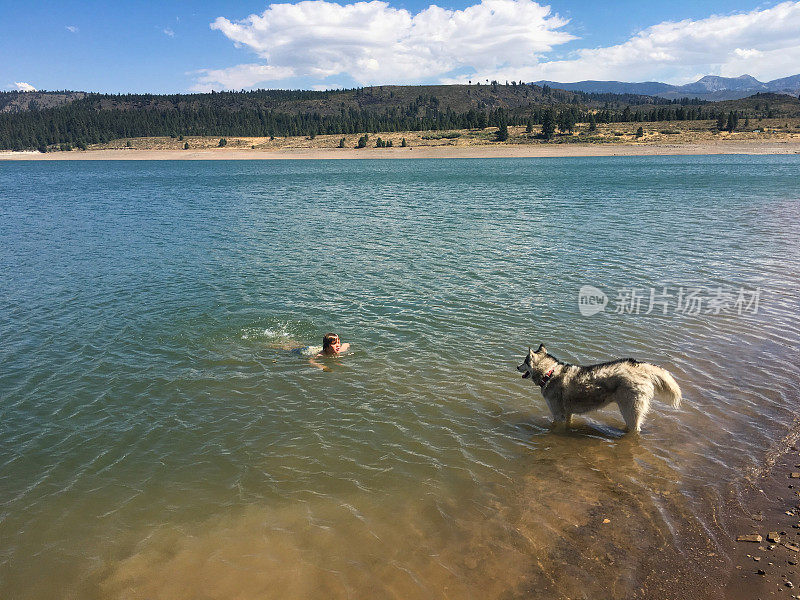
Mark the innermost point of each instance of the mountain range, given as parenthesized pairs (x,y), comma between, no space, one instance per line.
(710,87)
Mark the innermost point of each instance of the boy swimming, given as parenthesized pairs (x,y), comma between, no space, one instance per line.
(331,346)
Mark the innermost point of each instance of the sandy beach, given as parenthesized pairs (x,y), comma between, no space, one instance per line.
(765,539)
(753,147)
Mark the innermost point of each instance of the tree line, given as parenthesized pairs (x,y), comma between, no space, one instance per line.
(86,121)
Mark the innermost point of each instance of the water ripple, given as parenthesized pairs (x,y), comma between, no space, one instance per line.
(158,438)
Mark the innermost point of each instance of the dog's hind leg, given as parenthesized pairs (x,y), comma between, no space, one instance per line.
(633,407)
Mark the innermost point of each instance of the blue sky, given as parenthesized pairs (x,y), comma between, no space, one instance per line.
(173,46)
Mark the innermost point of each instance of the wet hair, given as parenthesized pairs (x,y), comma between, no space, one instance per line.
(327,340)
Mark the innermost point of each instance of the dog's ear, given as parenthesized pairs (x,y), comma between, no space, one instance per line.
(541,350)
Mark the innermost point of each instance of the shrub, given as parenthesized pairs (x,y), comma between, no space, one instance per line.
(447,135)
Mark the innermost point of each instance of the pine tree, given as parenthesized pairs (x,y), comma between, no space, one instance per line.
(733,121)
(566,121)
(548,124)
(502,132)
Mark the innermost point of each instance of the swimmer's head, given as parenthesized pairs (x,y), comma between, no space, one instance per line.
(331,344)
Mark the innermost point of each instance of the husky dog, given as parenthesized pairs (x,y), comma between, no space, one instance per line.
(572,389)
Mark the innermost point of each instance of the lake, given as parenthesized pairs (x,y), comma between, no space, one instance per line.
(158,439)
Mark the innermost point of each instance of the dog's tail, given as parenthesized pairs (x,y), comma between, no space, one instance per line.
(665,385)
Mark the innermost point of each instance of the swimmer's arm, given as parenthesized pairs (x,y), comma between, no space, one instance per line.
(321,367)
(345,347)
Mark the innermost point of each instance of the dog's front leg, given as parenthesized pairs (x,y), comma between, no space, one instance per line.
(562,422)
(561,418)
(561,415)
(559,425)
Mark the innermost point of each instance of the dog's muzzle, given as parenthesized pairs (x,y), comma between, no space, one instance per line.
(524,371)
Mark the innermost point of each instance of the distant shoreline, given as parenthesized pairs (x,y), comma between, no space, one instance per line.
(474,151)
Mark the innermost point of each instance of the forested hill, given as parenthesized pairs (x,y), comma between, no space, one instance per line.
(459,98)
(41,119)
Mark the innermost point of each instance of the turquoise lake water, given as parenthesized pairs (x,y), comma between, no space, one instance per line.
(158,440)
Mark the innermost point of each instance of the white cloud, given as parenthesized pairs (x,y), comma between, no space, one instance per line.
(763,43)
(238,77)
(72,29)
(372,42)
(168,31)
(24,87)
(747,52)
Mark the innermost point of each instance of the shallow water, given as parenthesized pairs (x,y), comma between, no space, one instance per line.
(158,441)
